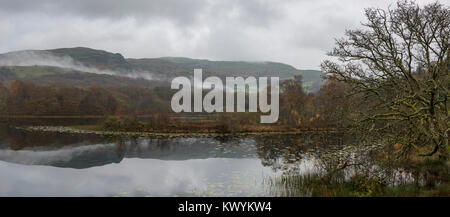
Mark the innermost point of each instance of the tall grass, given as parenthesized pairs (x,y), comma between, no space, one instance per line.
(431,178)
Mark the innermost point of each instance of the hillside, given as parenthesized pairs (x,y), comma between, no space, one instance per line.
(95,58)
(66,65)
(171,66)
(45,75)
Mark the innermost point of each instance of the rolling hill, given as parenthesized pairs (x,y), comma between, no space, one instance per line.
(85,66)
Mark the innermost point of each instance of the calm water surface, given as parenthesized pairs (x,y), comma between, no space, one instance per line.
(56,164)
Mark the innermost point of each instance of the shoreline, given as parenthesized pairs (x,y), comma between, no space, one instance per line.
(79,130)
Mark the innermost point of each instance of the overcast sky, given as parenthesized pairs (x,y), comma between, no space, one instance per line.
(297,32)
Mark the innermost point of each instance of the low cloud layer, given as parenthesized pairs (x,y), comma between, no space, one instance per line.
(43,58)
(294,32)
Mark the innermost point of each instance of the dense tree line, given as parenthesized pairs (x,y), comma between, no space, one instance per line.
(330,107)
(22,98)
(298,109)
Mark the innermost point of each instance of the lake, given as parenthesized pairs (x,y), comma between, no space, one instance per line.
(65,164)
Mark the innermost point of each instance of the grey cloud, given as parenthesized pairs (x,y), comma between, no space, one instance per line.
(185,11)
(252,12)
(297,32)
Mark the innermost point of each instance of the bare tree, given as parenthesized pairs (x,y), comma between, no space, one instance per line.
(399,62)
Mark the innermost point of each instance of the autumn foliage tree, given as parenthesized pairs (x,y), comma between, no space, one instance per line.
(3,97)
(292,101)
(334,105)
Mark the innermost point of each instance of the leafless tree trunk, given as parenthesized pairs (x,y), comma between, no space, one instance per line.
(399,61)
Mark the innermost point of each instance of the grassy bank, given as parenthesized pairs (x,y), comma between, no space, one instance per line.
(161,123)
(429,179)
(165,124)
(357,186)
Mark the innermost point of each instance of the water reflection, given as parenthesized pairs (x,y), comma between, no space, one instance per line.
(138,177)
(55,164)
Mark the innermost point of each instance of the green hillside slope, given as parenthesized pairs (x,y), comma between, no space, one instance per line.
(80,59)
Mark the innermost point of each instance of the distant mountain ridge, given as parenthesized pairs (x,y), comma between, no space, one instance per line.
(94,62)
